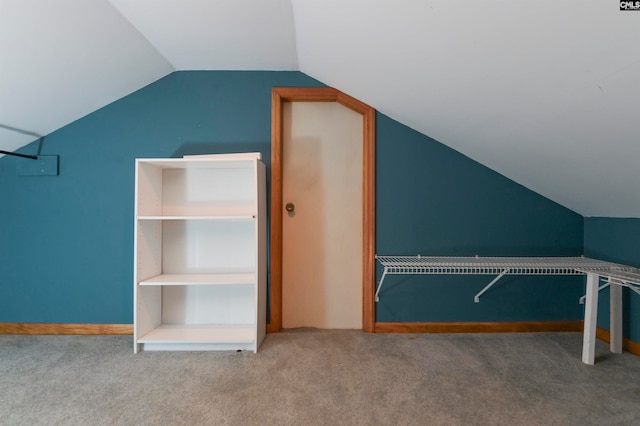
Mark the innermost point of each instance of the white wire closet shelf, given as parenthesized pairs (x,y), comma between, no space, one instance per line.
(500,266)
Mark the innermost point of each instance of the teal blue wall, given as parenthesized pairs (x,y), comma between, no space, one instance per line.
(66,241)
(431,200)
(616,240)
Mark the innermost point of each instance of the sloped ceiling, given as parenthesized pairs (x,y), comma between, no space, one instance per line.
(546,93)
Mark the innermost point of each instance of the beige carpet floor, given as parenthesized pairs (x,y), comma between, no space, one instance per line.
(312,377)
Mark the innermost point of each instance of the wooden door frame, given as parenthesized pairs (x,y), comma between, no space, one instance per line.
(280,95)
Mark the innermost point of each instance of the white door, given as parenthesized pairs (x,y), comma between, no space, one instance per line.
(322,236)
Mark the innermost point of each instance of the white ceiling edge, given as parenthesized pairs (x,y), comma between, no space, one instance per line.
(582,152)
(546,95)
(217,35)
(63,60)
(530,93)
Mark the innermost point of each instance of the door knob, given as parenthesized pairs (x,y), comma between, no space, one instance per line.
(290,207)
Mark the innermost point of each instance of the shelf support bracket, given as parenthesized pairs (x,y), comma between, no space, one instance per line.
(384,274)
(476,299)
(626,284)
(602,287)
(620,283)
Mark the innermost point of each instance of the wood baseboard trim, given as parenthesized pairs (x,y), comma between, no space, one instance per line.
(478,327)
(78,329)
(627,344)
(380,327)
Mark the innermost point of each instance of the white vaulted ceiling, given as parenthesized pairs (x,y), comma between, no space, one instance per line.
(546,93)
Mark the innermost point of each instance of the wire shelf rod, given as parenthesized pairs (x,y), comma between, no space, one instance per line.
(623,275)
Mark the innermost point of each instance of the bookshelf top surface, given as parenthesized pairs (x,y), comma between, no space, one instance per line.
(203,161)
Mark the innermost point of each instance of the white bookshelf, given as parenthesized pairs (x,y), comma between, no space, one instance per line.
(200,253)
